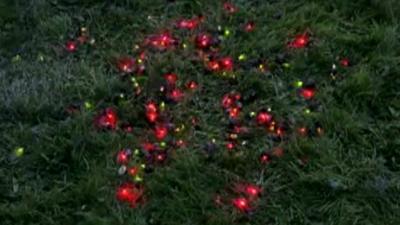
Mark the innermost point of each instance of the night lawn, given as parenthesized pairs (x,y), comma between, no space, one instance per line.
(199,112)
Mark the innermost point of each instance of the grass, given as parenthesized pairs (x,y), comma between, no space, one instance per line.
(68,173)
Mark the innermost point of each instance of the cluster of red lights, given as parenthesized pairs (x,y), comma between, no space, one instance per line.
(222,64)
(189,24)
(161,41)
(244,197)
(155,151)
(107,119)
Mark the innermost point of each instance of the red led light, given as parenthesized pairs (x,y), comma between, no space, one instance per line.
(126,64)
(203,41)
(133,171)
(249,26)
(151,112)
(227,63)
(151,107)
(241,203)
(307,93)
(71,46)
(189,24)
(345,62)
(171,78)
(227,101)
(234,112)
(160,132)
(230,145)
(122,157)
(151,117)
(161,157)
(229,7)
(147,146)
(192,85)
(263,118)
(253,190)
(176,95)
(108,119)
(300,41)
(161,41)
(302,131)
(213,65)
(265,158)
(128,193)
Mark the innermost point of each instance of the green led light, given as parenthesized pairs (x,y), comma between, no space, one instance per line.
(286,65)
(88,105)
(299,83)
(19,151)
(242,57)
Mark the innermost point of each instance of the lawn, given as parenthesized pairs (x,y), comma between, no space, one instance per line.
(155,112)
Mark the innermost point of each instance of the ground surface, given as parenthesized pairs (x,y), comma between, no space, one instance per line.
(68,174)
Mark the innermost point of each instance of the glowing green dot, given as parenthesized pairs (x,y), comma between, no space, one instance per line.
(133,79)
(122,95)
(252,114)
(307,111)
(162,106)
(143,166)
(19,151)
(138,179)
(227,32)
(136,151)
(184,45)
(140,61)
(242,57)
(299,83)
(163,144)
(88,105)
(286,65)
(135,84)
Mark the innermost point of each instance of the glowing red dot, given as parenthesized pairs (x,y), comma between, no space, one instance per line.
(234,112)
(227,63)
(161,157)
(128,193)
(300,41)
(249,26)
(345,62)
(151,116)
(230,145)
(176,95)
(253,190)
(108,119)
(126,64)
(265,158)
(133,171)
(307,93)
(188,24)
(229,7)
(203,41)
(171,78)
(122,157)
(160,132)
(191,85)
(241,203)
(71,46)
(263,118)
(227,101)
(151,107)
(302,131)
(213,65)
